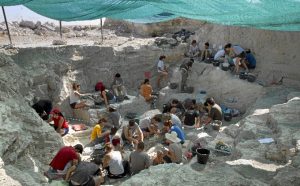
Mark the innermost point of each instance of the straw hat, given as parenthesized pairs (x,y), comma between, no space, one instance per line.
(172,137)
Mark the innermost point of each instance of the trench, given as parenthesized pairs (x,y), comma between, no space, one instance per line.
(51,71)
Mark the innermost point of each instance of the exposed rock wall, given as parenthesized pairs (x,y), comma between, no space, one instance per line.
(276,51)
(26,142)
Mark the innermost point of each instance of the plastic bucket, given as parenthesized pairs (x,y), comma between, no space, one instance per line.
(202,155)
(147,75)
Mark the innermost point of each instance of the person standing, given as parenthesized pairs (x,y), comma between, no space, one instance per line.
(162,71)
(185,68)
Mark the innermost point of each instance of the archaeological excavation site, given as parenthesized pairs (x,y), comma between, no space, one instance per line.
(156,94)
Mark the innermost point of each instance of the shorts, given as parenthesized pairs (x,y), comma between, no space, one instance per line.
(73,105)
(66,130)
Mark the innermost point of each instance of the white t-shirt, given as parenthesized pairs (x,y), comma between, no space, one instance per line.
(160,66)
(115,163)
(176,121)
(219,54)
(74,98)
(145,123)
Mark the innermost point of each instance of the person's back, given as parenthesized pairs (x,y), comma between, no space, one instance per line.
(84,173)
(219,54)
(64,155)
(146,91)
(216,112)
(175,120)
(190,116)
(179,132)
(139,161)
(237,49)
(251,61)
(115,163)
(177,149)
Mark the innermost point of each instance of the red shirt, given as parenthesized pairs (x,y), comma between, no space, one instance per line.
(56,121)
(64,155)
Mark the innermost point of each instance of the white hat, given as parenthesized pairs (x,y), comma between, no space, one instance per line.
(172,137)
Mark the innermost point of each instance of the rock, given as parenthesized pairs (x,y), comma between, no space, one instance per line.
(63,29)
(38,25)
(59,42)
(160,41)
(293,95)
(77,28)
(27,24)
(287,176)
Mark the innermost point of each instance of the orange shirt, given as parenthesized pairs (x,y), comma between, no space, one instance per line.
(146,91)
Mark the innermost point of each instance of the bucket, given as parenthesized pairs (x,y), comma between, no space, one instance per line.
(202,155)
(147,75)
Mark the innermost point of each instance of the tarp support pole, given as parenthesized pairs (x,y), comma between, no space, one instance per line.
(6,24)
(101,23)
(60,33)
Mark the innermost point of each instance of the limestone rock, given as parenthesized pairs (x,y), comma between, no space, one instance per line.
(287,176)
(59,42)
(27,24)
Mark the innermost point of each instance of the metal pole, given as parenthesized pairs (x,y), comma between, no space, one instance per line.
(101,29)
(6,24)
(60,30)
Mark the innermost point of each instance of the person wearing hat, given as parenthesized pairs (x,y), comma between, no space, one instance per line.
(214,110)
(65,158)
(174,152)
(170,127)
(114,117)
(60,123)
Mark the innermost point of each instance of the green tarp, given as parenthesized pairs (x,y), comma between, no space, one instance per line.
(263,14)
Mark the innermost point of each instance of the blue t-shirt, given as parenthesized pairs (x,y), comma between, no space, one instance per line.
(251,60)
(179,132)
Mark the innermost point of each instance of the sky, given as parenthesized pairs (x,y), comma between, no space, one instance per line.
(20,12)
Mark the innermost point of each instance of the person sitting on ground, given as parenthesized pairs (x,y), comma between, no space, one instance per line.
(220,55)
(185,68)
(173,153)
(214,111)
(147,92)
(191,118)
(85,173)
(206,53)
(162,70)
(105,94)
(113,162)
(118,87)
(65,158)
(97,135)
(132,133)
(175,107)
(43,108)
(138,159)
(149,126)
(60,123)
(194,50)
(169,127)
(250,60)
(159,158)
(174,119)
(114,117)
(75,102)
(239,61)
